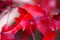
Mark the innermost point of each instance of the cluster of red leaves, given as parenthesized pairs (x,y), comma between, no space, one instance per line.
(33,17)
